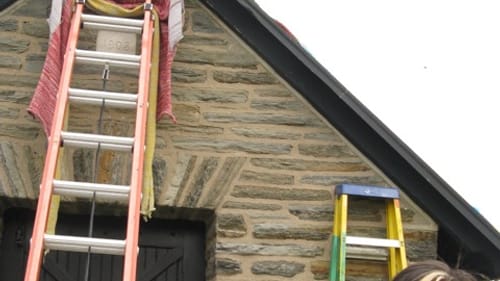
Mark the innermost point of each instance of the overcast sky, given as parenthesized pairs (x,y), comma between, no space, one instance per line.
(430,70)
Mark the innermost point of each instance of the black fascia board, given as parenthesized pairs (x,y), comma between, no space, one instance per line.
(366,132)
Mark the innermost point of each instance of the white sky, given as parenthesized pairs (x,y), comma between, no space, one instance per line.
(428,69)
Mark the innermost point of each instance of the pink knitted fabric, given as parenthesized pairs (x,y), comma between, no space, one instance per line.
(43,102)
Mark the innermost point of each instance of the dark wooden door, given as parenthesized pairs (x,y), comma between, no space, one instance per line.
(169,250)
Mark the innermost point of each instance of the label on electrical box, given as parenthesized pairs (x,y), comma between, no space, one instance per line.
(116,42)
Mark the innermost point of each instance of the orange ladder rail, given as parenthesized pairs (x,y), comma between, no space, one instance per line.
(132,236)
(42,212)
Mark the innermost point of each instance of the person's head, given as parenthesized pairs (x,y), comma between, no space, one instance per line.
(432,270)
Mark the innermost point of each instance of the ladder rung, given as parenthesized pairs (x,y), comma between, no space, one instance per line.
(114,59)
(87,190)
(112,27)
(373,242)
(107,102)
(108,55)
(84,244)
(113,20)
(95,141)
(365,253)
(114,99)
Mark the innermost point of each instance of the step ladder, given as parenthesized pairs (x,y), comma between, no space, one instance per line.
(41,241)
(394,243)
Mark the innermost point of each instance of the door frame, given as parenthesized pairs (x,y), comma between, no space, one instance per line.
(191,234)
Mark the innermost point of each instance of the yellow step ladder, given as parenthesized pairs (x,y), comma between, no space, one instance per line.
(394,242)
(41,240)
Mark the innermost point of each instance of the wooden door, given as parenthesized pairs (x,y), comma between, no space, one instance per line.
(169,250)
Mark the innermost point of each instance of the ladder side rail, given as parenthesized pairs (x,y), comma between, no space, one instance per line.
(35,255)
(402,260)
(397,256)
(338,252)
(392,268)
(335,243)
(133,220)
(344,207)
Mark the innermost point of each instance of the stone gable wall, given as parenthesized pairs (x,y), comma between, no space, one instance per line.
(245,147)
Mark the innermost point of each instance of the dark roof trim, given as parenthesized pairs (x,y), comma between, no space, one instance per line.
(5,3)
(360,126)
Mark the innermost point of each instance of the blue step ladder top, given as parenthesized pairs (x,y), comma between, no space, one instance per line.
(367,191)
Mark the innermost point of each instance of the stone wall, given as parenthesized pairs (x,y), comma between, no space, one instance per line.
(245,147)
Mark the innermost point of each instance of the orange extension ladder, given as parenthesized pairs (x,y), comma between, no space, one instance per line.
(41,240)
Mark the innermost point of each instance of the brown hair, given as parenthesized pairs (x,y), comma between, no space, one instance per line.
(432,270)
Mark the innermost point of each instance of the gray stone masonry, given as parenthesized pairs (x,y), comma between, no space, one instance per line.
(245,148)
